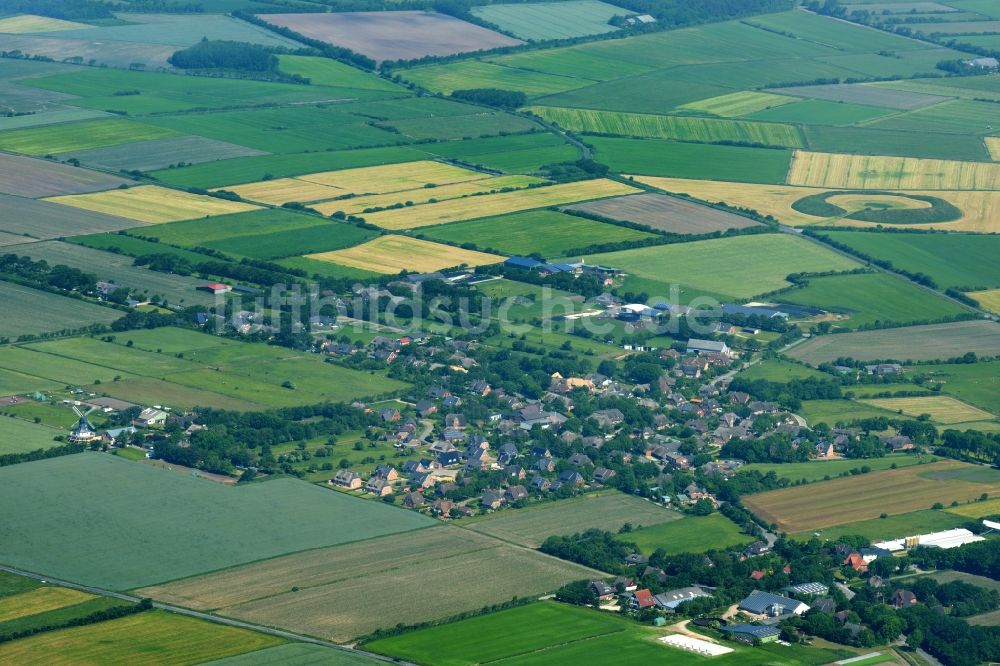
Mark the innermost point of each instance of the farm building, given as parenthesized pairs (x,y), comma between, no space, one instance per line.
(216,288)
(151,417)
(695,346)
(752,633)
(946,539)
(674,598)
(772,605)
(808,588)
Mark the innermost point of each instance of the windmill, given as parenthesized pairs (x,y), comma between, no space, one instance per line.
(83,432)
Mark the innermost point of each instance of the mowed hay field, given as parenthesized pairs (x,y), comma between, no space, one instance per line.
(30,311)
(152,204)
(740,267)
(684,128)
(392,254)
(152,637)
(30,177)
(17,436)
(850,499)
(363,180)
(433,573)
(164,525)
(941,408)
(605,510)
(980,209)
(738,103)
(497,204)
(867,172)
(919,343)
(39,600)
(33,23)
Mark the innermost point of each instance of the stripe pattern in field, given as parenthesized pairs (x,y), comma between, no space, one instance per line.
(153,204)
(683,128)
(870,172)
(941,408)
(392,254)
(671,214)
(738,103)
(470,208)
(853,93)
(30,177)
(160,153)
(850,499)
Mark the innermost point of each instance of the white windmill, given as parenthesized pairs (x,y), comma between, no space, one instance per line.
(83,432)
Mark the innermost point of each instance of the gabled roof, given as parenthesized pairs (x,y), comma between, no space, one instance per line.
(760,602)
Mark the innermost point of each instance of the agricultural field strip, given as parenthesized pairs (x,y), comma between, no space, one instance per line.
(942,409)
(392,253)
(855,498)
(865,172)
(153,204)
(497,204)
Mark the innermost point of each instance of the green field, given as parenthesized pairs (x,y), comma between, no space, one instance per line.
(820,112)
(874,141)
(298,654)
(739,104)
(682,128)
(650,157)
(268,221)
(151,637)
(326,236)
(821,469)
(832,412)
(546,232)
(465,73)
(552,633)
(329,72)
(976,383)
(31,312)
(252,374)
(961,261)
(867,298)
(551,20)
(17,436)
(778,370)
(895,526)
(165,525)
(725,266)
(691,535)
(82,135)
(606,510)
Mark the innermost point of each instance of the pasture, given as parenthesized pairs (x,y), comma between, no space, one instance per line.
(819,470)
(874,141)
(682,128)
(323,237)
(392,254)
(28,177)
(651,157)
(434,573)
(865,172)
(298,654)
(144,638)
(17,436)
(328,72)
(976,510)
(395,35)
(851,499)
(974,383)
(607,510)
(174,289)
(736,104)
(866,298)
(29,311)
(192,233)
(153,204)
(960,261)
(176,525)
(691,535)
(33,23)
(159,153)
(229,373)
(941,408)
(839,411)
(490,205)
(47,116)
(723,266)
(538,21)
(919,343)
(449,77)
(671,214)
(894,526)
(28,219)
(547,232)
(66,137)
(820,112)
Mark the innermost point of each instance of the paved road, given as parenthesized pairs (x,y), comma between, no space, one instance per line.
(206,616)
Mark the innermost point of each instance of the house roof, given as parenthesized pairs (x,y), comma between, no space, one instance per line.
(760,602)
(644,598)
(754,630)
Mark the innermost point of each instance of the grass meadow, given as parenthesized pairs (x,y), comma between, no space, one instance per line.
(690,535)
(608,510)
(546,232)
(942,409)
(820,470)
(894,526)
(17,436)
(551,20)
(31,312)
(174,526)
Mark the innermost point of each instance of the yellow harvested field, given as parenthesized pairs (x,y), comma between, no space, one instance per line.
(282,190)
(941,408)
(392,254)
(357,205)
(980,209)
(32,23)
(153,204)
(868,172)
(989,299)
(394,177)
(993,145)
(40,600)
(498,204)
